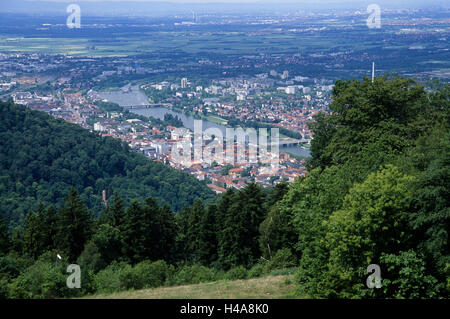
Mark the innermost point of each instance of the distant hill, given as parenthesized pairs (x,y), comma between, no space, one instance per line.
(42,157)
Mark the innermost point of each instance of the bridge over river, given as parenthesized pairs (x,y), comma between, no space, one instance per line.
(145,106)
(291,141)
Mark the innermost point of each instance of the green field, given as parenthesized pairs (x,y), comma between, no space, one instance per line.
(216,119)
(234,43)
(270,287)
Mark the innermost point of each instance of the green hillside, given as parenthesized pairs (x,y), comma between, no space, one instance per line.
(42,157)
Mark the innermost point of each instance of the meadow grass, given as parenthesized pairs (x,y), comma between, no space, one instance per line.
(269,287)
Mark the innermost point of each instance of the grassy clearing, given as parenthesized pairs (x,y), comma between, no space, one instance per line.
(270,287)
(216,119)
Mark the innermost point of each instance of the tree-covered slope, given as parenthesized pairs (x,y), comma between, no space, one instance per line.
(41,158)
(377,193)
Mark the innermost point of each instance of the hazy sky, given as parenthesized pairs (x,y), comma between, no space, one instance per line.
(158,7)
(247,1)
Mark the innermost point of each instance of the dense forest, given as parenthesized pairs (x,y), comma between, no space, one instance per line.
(376,192)
(41,158)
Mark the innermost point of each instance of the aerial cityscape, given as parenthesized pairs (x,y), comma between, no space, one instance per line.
(210,141)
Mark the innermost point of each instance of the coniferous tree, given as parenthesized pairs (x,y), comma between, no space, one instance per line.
(196,214)
(150,229)
(74,226)
(238,243)
(224,204)
(207,233)
(40,231)
(165,235)
(4,238)
(49,220)
(132,233)
(32,236)
(116,211)
(141,231)
(181,219)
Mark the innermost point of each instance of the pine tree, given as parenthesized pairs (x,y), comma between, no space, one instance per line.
(40,231)
(74,226)
(164,235)
(132,234)
(150,229)
(181,219)
(4,238)
(116,211)
(225,229)
(207,250)
(32,236)
(238,243)
(50,227)
(197,212)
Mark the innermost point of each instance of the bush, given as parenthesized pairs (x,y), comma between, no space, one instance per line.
(193,275)
(236,273)
(12,265)
(3,287)
(151,275)
(406,277)
(115,277)
(44,279)
(122,276)
(282,259)
(128,278)
(91,259)
(257,271)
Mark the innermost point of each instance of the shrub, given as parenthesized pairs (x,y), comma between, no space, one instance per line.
(257,271)
(90,259)
(282,259)
(151,275)
(128,278)
(43,279)
(406,277)
(236,273)
(113,278)
(3,287)
(12,264)
(193,275)
(122,276)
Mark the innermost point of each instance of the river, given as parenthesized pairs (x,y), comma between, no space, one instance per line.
(188,122)
(131,95)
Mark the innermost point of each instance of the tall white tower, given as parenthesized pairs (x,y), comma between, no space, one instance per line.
(373,71)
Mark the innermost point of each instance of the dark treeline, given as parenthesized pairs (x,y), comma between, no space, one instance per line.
(201,241)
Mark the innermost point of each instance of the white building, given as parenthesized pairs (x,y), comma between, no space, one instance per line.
(99,127)
(184,83)
(291,90)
